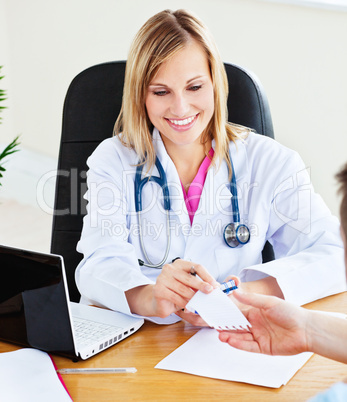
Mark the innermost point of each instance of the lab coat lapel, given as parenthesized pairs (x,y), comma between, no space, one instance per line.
(178,206)
(239,157)
(216,195)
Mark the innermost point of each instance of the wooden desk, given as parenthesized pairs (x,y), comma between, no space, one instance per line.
(152,343)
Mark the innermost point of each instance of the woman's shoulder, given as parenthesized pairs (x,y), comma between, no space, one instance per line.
(266,157)
(258,145)
(112,150)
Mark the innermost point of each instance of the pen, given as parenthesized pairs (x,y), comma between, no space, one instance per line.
(106,370)
(228,287)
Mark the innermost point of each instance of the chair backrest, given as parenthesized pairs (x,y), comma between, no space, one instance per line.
(92,104)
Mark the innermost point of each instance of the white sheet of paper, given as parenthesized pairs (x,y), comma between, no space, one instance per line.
(205,355)
(29,375)
(218,310)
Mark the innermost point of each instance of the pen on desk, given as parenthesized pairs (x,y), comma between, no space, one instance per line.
(106,370)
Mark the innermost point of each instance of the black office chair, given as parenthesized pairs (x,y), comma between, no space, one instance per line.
(91,107)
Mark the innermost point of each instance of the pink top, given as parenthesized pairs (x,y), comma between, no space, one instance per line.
(192,198)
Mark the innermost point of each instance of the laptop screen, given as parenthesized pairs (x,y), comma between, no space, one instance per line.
(33,302)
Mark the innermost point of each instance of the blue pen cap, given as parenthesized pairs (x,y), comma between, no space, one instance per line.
(228,287)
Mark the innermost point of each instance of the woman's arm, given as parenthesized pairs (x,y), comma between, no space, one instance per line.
(327,336)
(265,286)
(304,235)
(281,328)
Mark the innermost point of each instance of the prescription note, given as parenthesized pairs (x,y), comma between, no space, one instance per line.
(218,310)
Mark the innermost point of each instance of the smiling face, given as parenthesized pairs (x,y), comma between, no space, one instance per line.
(180,98)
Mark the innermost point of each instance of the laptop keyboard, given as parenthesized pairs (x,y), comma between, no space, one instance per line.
(88,332)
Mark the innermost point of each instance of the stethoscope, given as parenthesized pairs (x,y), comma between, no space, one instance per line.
(235,234)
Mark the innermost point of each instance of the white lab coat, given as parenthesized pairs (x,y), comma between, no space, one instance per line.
(276,201)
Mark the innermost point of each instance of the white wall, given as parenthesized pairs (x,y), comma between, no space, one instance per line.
(299,54)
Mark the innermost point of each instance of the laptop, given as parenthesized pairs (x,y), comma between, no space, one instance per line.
(35,310)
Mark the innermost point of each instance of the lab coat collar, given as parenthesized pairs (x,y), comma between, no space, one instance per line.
(165,160)
(237,151)
(217,175)
(160,149)
(239,157)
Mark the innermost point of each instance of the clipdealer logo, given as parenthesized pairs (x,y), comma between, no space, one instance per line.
(105,199)
(156,231)
(296,213)
(74,181)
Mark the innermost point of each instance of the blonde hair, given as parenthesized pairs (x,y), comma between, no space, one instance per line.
(160,38)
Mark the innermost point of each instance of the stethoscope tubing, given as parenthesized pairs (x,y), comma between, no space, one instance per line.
(233,190)
(162,182)
(149,263)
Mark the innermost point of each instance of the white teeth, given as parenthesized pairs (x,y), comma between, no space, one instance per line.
(183,122)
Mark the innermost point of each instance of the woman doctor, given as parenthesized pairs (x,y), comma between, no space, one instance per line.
(163,188)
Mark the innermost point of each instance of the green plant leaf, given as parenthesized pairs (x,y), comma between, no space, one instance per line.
(10,149)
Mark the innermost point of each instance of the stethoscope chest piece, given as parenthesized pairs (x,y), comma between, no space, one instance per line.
(235,234)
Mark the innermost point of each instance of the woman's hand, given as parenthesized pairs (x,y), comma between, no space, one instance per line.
(192,318)
(173,289)
(278,327)
(265,286)
(195,319)
(177,284)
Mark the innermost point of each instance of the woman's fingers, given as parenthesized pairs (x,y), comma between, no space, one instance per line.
(167,302)
(235,278)
(176,280)
(173,291)
(238,341)
(192,318)
(177,284)
(194,275)
(204,275)
(196,282)
(254,300)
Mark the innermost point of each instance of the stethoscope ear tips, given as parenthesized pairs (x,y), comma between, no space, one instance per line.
(236,234)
